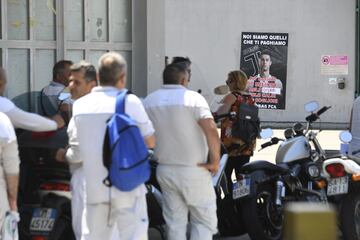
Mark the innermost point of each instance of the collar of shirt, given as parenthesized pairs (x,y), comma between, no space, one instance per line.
(105,89)
(173,86)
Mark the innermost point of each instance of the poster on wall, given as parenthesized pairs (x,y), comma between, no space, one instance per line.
(264,60)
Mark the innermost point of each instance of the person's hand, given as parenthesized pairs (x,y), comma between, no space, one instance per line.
(60,155)
(213,168)
(59,120)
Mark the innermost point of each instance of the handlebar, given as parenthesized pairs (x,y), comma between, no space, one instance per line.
(273,141)
(315,116)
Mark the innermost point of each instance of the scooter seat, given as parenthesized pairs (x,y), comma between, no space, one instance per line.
(263,165)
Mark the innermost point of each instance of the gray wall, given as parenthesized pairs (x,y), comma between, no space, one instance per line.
(209,32)
(156,43)
(139,74)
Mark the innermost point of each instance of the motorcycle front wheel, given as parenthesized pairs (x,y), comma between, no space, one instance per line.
(262,218)
(350,216)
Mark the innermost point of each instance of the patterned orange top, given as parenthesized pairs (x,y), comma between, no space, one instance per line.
(236,146)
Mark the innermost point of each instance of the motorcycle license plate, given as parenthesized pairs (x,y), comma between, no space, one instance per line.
(43,220)
(241,188)
(338,186)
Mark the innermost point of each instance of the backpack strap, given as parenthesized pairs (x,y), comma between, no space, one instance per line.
(120,101)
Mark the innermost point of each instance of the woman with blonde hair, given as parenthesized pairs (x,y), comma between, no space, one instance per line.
(239,150)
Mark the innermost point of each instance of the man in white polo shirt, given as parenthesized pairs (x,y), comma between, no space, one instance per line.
(109,210)
(188,149)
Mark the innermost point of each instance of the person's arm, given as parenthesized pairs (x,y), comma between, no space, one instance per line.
(150,141)
(12,183)
(227,101)
(33,122)
(212,137)
(10,159)
(73,150)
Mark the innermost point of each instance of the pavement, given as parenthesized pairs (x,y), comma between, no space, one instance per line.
(329,139)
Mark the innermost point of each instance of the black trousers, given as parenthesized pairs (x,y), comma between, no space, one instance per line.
(234,163)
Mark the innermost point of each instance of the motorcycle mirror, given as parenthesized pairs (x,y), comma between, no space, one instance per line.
(345,136)
(266,133)
(311,106)
(221,90)
(63,96)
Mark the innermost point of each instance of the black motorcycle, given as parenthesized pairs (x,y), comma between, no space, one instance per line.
(263,188)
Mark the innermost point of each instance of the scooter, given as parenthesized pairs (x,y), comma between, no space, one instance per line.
(263,188)
(343,189)
(44,191)
(44,197)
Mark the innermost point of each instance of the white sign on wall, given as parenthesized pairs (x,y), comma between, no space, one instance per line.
(334,65)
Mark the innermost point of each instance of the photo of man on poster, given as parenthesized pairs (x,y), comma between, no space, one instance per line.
(264,59)
(264,82)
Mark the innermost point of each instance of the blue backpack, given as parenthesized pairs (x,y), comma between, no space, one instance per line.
(125,154)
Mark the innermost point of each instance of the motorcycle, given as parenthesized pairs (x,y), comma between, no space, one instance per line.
(343,189)
(263,188)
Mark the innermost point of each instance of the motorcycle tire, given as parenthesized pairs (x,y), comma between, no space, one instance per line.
(262,219)
(350,216)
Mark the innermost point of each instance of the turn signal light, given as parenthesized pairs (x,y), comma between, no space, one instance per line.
(321,184)
(355,177)
(336,170)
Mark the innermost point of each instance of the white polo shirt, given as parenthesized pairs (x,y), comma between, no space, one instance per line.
(90,115)
(175,112)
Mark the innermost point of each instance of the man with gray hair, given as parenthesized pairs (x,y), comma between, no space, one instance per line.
(109,210)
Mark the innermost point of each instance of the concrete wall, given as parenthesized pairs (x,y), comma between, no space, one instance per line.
(155,43)
(209,32)
(139,74)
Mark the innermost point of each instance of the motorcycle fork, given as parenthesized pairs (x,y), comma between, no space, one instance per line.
(279,193)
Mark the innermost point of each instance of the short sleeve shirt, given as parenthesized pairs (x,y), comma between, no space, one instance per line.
(175,112)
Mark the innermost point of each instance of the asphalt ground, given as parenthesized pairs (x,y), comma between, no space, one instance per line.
(329,139)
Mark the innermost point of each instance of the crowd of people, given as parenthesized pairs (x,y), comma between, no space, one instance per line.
(174,121)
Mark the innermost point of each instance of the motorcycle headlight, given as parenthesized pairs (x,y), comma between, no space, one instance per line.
(313,171)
